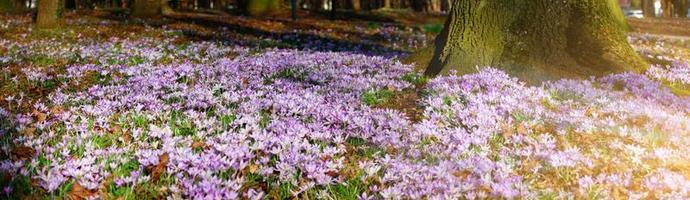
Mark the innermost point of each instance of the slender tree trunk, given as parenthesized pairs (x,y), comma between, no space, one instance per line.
(146,9)
(533,39)
(666,8)
(356,5)
(49,14)
(446,6)
(648,8)
(332,11)
(681,8)
(428,6)
(204,4)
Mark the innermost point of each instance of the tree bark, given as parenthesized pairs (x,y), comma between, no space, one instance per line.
(648,8)
(666,8)
(534,39)
(356,5)
(264,8)
(636,4)
(49,14)
(147,9)
(681,8)
(428,6)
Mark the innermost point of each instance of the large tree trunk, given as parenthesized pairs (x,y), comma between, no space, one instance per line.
(681,7)
(533,39)
(147,9)
(264,7)
(667,8)
(49,14)
(151,9)
(356,5)
(648,8)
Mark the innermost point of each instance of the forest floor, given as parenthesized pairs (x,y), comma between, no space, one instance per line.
(226,107)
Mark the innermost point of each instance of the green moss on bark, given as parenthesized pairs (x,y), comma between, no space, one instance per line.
(49,14)
(534,39)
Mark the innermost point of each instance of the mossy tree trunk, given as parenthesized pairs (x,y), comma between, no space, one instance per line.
(49,14)
(534,39)
(265,8)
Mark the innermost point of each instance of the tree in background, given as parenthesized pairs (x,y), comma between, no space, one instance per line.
(12,6)
(150,9)
(356,5)
(6,5)
(636,4)
(146,9)
(667,8)
(681,8)
(49,14)
(648,8)
(533,39)
(263,7)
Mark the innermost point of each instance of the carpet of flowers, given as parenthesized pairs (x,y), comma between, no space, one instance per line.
(149,115)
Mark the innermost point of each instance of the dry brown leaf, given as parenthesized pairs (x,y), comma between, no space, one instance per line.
(332,174)
(29,131)
(56,110)
(79,192)
(21,153)
(522,129)
(159,169)
(253,168)
(198,145)
(462,174)
(40,117)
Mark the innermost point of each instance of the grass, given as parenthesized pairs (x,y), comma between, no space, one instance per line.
(415,78)
(432,28)
(289,74)
(364,149)
(377,97)
(181,125)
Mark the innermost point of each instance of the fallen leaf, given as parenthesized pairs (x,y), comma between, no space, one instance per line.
(522,129)
(245,82)
(56,110)
(79,192)
(462,174)
(332,174)
(253,168)
(198,145)
(40,117)
(159,169)
(29,131)
(21,153)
